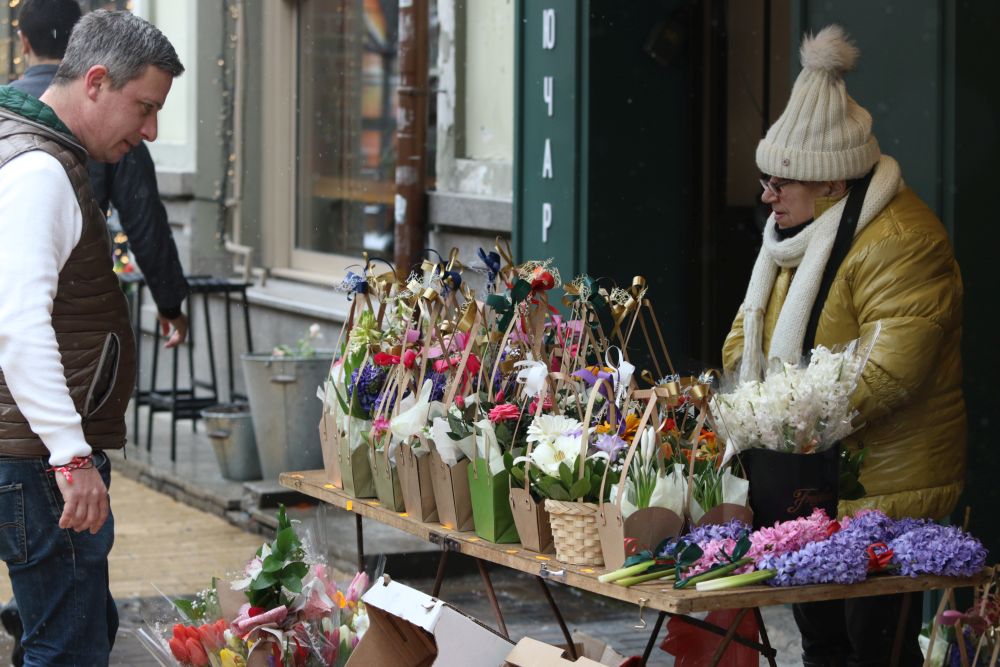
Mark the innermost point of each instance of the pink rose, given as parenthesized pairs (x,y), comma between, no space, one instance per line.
(504,411)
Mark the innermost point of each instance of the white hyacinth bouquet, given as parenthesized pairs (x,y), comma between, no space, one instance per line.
(798,408)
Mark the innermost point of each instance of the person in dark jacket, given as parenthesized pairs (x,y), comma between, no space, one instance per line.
(44,27)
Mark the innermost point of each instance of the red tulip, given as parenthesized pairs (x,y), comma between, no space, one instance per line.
(197,654)
(179,650)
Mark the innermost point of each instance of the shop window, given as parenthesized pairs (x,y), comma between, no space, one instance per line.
(345,126)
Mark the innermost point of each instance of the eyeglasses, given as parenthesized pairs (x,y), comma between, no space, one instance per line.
(774,188)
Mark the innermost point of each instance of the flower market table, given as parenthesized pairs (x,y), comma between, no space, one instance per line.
(664,599)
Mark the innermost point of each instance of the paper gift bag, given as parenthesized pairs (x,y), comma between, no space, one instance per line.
(415,480)
(386,477)
(786,486)
(644,527)
(355,467)
(726,512)
(532,521)
(490,506)
(328,444)
(451,492)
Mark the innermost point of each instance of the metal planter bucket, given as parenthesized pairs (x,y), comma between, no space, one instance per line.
(231,431)
(282,392)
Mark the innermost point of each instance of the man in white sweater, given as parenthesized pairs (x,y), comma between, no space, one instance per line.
(66,349)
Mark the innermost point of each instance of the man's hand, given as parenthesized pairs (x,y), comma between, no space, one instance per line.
(86,503)
(180,329)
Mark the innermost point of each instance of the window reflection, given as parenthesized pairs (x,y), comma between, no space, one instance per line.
(346,125)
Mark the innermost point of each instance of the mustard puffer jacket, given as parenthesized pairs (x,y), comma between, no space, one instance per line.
(900,271)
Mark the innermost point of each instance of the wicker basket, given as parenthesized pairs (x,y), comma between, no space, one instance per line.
(574,531)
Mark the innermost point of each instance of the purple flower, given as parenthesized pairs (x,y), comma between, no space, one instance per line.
(938,550)
(842,558)
(611,444)
(369,382)
(724,531)
(439,382)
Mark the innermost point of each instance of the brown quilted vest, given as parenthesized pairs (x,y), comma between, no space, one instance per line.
(90,315)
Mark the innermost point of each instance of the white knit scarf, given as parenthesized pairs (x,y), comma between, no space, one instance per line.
(809,250)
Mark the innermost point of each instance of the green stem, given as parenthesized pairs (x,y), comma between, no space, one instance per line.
(650,576)
(713,574)
(629,571)
(736,580)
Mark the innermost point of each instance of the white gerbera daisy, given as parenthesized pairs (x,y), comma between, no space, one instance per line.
(545,429)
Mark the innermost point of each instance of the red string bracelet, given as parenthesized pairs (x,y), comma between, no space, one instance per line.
(76,463)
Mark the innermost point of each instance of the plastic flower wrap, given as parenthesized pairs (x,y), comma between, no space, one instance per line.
(796,408)
(284,610)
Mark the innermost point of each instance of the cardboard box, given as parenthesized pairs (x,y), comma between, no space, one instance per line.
(408,628)
(533,653)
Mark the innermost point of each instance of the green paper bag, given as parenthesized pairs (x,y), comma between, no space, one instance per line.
(355,470)
(491,504)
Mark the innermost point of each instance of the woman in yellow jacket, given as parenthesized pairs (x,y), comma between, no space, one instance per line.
(823,173)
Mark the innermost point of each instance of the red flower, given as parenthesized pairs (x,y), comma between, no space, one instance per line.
(546,405)
(385,359)
(460,402)
(669,424)
(504,411)
(472,365)
(179,650)
(211,636)
(197,654)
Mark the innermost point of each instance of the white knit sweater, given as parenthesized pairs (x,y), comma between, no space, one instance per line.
(40,224)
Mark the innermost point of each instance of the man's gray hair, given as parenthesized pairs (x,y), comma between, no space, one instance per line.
(124,43)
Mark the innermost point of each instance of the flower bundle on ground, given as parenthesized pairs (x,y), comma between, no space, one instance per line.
(285,607)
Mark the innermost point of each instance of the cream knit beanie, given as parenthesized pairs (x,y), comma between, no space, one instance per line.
(823,134)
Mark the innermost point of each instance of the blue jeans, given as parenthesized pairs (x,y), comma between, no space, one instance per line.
(60,577)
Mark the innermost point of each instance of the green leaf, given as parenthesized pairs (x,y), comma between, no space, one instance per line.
(517,474)
(298,569)
(273,564)
(263,580)
(292,583)
(558,492)
(565,475)
(580,488)
(285,540)
(187,611)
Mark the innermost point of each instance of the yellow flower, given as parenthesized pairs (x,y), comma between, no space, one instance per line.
(231,659)
(341,600)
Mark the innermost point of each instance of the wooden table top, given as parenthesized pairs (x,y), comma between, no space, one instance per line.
(658,596)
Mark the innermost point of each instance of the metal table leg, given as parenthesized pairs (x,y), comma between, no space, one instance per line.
(728,637)
(493,598)
(652,637)
(771,653)
(360,538)
(439,578)
(559,618)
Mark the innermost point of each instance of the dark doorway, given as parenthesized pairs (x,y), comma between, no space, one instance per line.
(742,79)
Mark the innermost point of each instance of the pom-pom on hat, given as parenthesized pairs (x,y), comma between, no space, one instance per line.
(823,134)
